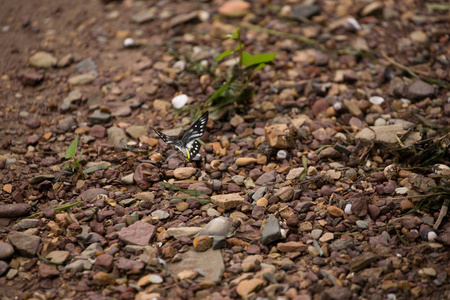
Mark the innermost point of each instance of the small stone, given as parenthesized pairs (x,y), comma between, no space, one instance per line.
(316,233)
(326,237)
(266,178)
(58,257)
(271,231)
(342,244)
(102,278)
(285,193)
(305,11)
(180,101)
(117,137)
(136,131)
(6,251)
(128,179)
(247,286)
(217,227)
(363,261)
(295,173)
(25,244)
(180,232)
(143,16)
(234,8)
(160,214)
(262,202)
(292,247)
(420,90)
(82,79)
(4,267)
(336,293)
(281,154)
(33,123)
(335,211)
(362,224)
(43,60)
(14,210)
(184,172)
(99,116)
(202,243)
(245,161)
(406,205)
(26,224)
(376,100)
(47,271)
(140,233)
(227,201)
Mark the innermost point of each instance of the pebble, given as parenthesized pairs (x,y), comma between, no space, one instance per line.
(376,100)
(227,201)
(342,244)
(295,173)
(245,161)
(58,257)
(184,172)
(180,101)
(316,233)
(285,193)
(160,214)
(202,243)
(42,60)
(6,251)
(247,286)
(25,244)
(117,137)
(98,117)
(14,210)
(281,154)
(271,231)
(326,237)
(140,233)
(420,90)
(335,211)
(362,224)
(234,8)
(82,79)
(267,177)
(217,227)
(26,223)
(128,179)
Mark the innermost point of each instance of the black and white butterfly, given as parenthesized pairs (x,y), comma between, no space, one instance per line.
(188,146)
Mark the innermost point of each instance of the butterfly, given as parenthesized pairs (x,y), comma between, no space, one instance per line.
(188,146)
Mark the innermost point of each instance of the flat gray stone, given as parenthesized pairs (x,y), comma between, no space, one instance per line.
(140,233)
(117,137)
(271,231)
(420,90)
(25,244)
(266,178)
(209,262)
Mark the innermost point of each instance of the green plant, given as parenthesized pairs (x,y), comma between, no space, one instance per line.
(71,151)
(237,89)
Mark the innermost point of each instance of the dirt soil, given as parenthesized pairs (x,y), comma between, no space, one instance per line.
(330,180)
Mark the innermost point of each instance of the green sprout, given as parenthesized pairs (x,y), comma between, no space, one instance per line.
(237,88)
(71,151)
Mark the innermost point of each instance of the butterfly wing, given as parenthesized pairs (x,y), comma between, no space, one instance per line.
(168,140)
(193,148)
(195,131)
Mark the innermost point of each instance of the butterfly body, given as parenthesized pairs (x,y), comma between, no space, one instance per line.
(188,145)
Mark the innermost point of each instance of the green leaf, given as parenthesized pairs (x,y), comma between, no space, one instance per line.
(260,66)
(248,59)
(65,166)
(72,149)
(219,92)
(236,35)
(238,47)
(224,54)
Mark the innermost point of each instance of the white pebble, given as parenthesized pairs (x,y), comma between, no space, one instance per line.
(129,42)
(281,154)
(180,65)
(377,100)
(353,24)
(348,209)
(432,236)
(180,101)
